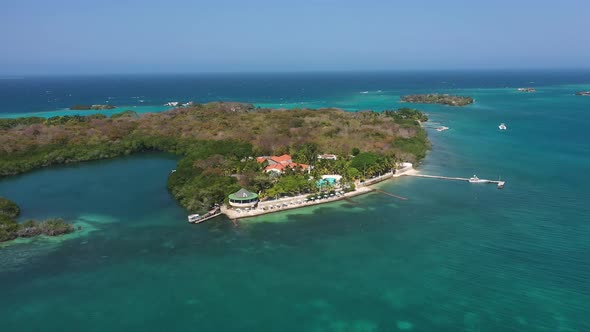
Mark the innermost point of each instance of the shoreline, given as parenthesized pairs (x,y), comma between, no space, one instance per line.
(297,202)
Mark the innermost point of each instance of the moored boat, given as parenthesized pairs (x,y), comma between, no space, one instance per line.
(475,179)
(196,218)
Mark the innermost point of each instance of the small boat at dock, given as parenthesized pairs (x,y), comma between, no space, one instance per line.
(196,218)
(475,179)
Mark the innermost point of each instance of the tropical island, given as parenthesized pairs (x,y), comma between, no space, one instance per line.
(228,146)
(435,98)
(91,107)
(10,229)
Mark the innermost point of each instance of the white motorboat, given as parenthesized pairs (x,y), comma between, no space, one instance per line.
(193,218)
(475,179)
(196,218)
(502,126)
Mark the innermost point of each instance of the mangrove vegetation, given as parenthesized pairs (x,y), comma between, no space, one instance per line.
(10,229)
(219,142)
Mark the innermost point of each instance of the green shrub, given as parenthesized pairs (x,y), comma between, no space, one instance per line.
(9,208)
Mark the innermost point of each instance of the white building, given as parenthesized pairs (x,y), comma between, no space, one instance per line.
(328,156)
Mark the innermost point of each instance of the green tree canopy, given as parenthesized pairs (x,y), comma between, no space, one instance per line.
(9,208)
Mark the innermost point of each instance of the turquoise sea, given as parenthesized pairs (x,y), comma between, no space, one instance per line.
(453,257)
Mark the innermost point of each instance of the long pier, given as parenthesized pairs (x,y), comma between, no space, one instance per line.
(390,194)
(499,183)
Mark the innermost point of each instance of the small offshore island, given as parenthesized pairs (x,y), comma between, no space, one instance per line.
(226,147)
(435,98)
(10,229)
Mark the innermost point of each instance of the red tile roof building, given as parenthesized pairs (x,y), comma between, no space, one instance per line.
(280,163)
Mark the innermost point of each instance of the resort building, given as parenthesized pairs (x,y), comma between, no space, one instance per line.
(327,156)
(278,164)
(243,199)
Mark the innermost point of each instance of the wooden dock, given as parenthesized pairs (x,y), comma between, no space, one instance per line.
(390,194)
(499,183)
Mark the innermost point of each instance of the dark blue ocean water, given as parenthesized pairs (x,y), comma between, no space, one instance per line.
(41,94)
(453,257)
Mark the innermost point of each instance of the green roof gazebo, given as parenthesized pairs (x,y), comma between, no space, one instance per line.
(243,198)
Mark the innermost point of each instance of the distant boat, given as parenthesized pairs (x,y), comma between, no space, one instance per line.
(502,126)
(443,128)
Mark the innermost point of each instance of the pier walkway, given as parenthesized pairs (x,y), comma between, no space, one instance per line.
(499,183)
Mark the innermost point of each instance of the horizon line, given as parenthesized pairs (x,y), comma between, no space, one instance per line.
(310,71)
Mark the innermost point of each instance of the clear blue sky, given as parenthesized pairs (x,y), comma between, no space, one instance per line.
(83,36)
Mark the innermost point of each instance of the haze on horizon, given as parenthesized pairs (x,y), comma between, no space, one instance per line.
(155,36)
